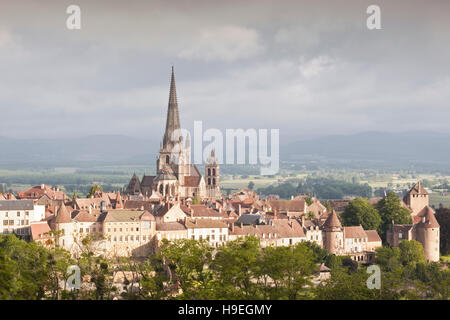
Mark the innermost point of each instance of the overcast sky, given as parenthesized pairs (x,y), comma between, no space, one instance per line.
(308,68)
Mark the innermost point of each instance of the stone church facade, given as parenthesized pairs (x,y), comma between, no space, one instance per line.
(175,175)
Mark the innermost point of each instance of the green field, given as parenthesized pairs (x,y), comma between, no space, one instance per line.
(436,199)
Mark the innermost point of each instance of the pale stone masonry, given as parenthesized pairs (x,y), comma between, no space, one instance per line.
(424,228)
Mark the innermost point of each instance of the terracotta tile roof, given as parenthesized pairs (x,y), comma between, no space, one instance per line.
(38,229)
(37,192)
(372,236)
(63,215)
(85,216)
(354,232)
(137,205)
(288,205)
(402,227)
(332,221)
(126,216)
(278,229)
(205,223)
(168,226)
(428,220)
(192,181)
(200,210)
(85,203)
(418,189)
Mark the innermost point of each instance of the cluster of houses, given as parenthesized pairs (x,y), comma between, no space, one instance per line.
(180,203)
(123,226)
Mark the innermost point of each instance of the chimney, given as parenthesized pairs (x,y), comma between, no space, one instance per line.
(303,220)
(90,209)
(275,214)
(42,186)
(240,209)
(103,206)
(232,227)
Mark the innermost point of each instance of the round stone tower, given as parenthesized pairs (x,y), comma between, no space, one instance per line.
(333,234)
(427,233)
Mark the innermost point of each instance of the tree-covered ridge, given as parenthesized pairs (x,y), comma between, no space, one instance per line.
(322,188)
(241,269)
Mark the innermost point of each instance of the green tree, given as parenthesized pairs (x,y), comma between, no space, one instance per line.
(251,185)
(359,211)
(93,189)
(289,268)
(196,200)
(189,261)
(237,264)
(411,252)
(390,209)
(443,218)
(308,201)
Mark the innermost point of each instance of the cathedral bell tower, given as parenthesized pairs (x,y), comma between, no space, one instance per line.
(212,173)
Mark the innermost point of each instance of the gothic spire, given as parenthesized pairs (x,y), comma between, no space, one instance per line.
(173,117)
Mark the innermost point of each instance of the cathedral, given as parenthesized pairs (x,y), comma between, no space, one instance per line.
(175,175)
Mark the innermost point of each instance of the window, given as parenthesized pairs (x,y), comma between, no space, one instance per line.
(131,238)
(18,213)
(137,238)
(11,222)
(167,159)
(5,222)
(81,230)
(143,238)
(120,238)
(27,213)
(6,214)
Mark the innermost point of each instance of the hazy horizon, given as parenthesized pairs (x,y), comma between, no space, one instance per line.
(308,69)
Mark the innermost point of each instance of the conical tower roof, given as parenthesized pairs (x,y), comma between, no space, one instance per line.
(173,117)
(332,221)
(63,216)
(430,220)
(119,203)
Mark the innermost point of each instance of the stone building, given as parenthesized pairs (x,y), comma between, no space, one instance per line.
(175,175)
(424,229)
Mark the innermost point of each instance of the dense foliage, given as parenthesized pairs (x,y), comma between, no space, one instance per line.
(241,269)
(322,188)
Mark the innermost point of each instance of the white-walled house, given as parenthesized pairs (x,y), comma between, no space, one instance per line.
(17,215)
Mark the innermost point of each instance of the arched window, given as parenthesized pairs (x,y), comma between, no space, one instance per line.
(209,181)
(167,159)
(214,172)
(209,171)
(161,188)
(167,189)
(214,181)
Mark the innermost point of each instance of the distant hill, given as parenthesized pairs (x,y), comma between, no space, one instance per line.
(422,147)
(369,149)
(99,149)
